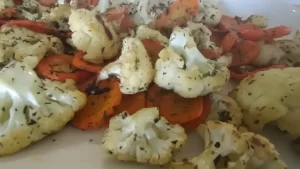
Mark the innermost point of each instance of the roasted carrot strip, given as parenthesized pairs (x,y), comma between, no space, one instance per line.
(81,64)
(240,76)
(132,103)
(228,42)
(195,123)
(178,13)
(244,52)
(174,108)
(99,107)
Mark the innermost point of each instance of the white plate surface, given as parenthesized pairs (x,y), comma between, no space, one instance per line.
(73,149)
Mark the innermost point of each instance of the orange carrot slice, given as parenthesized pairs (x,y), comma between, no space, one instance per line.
(228,23)
(99,108)
(210,54)
(59,67)
(174,108)
(244,52)
(228,42)
(116,13)
(81,64)
(195,123)
(132,103)
(178,13)
(153,48)
(264,34)
(35,26)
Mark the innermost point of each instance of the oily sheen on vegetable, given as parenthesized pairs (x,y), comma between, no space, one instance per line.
(32,110)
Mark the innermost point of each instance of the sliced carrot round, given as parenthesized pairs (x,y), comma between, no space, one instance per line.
(18,2)
(195,123)
(277,32)
(264,34)
(240,76)
(228,23)
(59,67)
(178,13)
(153,48)
(48,3)
(244,52)
(116,13)
(99,107)
(81,64)
(174,108)
(217,38)
(2,22)
(132,103)
(210,54)
(248,26)
(218,30)
(9,13)
(127,23)
(228,42)
(39,27)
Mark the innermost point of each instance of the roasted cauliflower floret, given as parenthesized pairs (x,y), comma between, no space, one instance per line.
(182,68)
(225,109)
(269,54)
(94,35)
(18,43)
(144,32)
(227,148)
(211,14)
(258,20)
(60,16)
(270,96)
(133,68)
(6,4)
(34,109)
(202,36)
(291,49)
(144,137)
(220,140)
(265,156)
